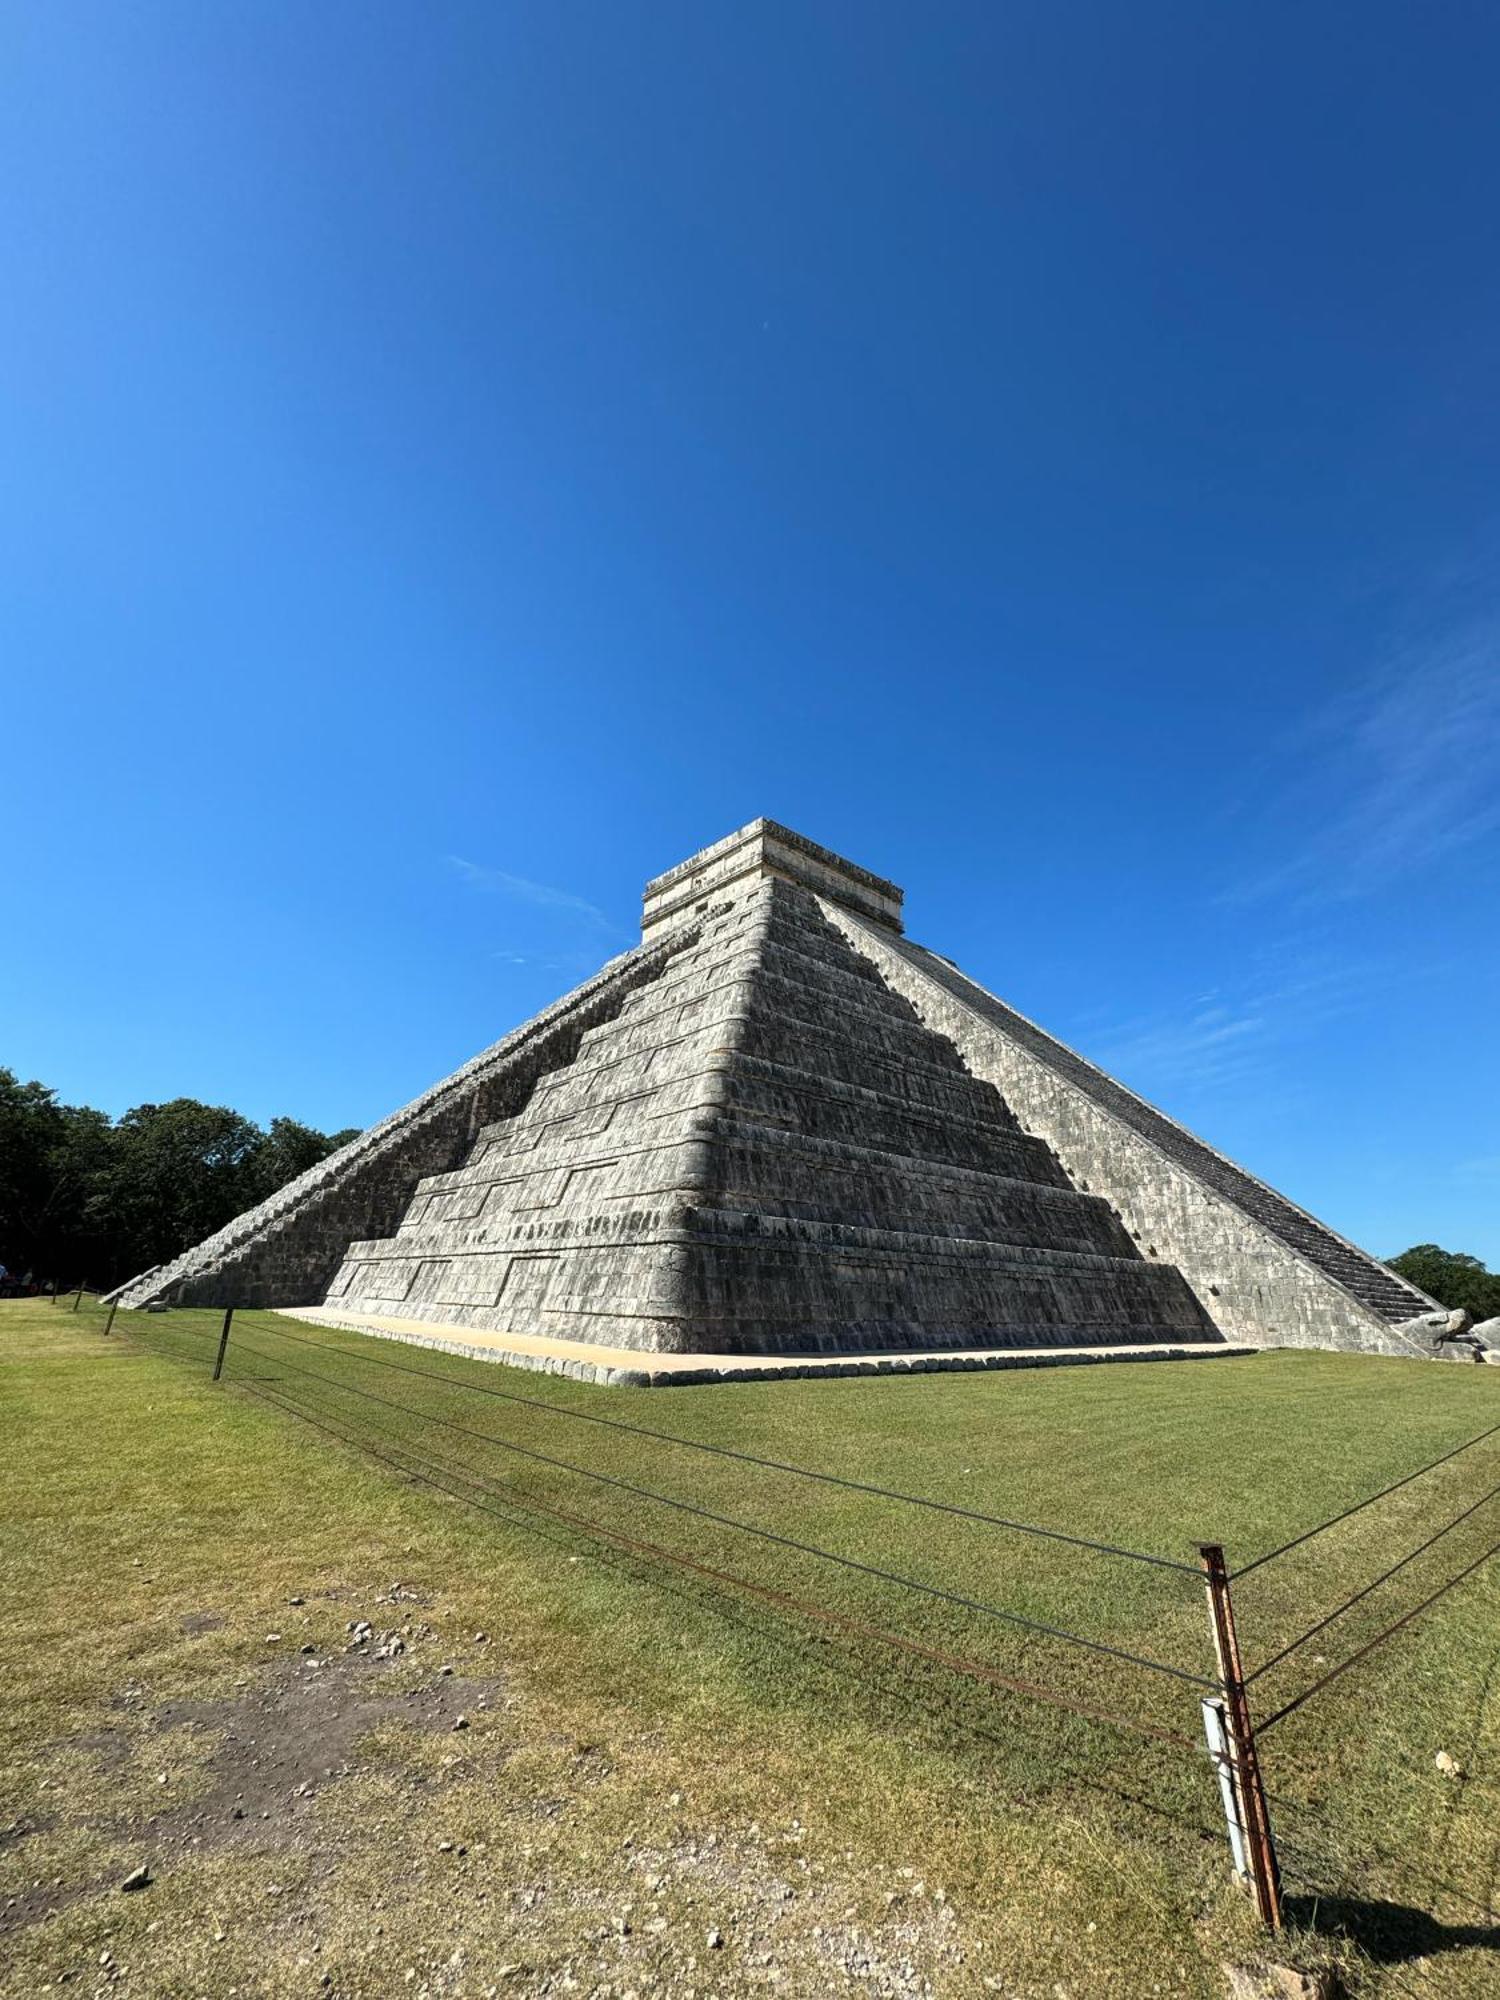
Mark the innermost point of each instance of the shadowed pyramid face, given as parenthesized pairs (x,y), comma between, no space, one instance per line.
(765,1151)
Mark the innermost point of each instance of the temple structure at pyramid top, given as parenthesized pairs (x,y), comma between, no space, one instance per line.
(779,1128)
(765,852)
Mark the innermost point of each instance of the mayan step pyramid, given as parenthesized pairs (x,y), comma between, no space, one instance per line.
(777,1127)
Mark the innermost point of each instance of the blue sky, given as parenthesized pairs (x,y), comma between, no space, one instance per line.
(460,460)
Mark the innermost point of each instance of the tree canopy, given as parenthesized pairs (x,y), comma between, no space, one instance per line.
(87,1197)
(1452,1277)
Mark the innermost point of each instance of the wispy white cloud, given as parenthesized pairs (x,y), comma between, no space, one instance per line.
(1232,1036)
(541,895)
(1205,1045)
(1397,773)
(544,961)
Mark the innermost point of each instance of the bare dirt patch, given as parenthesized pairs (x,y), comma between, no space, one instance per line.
(281,1744)
(268,1755)
(196,1623)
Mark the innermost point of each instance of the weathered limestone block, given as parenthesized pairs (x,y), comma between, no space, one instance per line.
(1441,1325)
(1453,1335)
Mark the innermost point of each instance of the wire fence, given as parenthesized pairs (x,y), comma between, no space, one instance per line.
(452,1426)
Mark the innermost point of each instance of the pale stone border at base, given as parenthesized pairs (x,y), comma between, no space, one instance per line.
(690,1370)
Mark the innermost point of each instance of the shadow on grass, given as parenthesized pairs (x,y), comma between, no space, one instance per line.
(1028,1763)
(1026,1759)
(1387,1933)
(1031,1762)
(1321,1852)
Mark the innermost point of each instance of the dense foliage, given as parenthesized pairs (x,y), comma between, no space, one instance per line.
(1452,1278)
(87,1197)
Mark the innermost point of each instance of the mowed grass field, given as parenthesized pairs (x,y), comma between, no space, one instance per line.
(562,1764)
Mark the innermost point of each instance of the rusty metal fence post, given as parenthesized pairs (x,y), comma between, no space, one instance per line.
(1252,1816)
(223,1342)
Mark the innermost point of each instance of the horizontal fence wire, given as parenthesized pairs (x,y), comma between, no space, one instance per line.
(1359,1595)
(744,1457)
(493,1496)
(979,1605)
(1379,1640)
(1358,1507)
(780,1600)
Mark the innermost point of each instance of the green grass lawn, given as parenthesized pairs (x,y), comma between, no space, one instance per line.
(652,1755)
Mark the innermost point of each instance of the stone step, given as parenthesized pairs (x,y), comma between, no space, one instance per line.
(623,1367)
(781,1094)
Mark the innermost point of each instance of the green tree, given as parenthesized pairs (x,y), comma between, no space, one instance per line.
(29,1123)
(177,1172)
(83,1197)
(286,1150)
(1452,1277)
(290,1148)
(50,1156)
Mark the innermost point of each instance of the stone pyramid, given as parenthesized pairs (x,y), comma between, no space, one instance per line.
(778,1127)
(766,1150)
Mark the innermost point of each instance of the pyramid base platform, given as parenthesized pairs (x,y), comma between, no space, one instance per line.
(621,1367)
